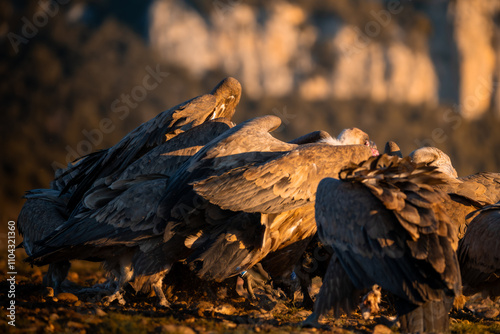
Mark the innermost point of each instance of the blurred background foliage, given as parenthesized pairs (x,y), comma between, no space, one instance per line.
(404,74)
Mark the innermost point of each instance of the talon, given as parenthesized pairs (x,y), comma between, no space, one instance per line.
(121,301)
(118,296)
(164,304)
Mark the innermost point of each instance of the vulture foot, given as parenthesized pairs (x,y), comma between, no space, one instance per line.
(370,302)
(162,300)
(257,277)
(164,304)
(118,296)
(459,302)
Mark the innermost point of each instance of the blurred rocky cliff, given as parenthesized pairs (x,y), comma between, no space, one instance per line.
(415,52)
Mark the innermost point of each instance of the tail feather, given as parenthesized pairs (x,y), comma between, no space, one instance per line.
(337,292)
(431,317)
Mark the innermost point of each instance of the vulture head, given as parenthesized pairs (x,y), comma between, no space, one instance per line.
(355,136)
(433,156)
(227,94)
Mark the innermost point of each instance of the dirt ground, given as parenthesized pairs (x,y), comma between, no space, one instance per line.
(195,308)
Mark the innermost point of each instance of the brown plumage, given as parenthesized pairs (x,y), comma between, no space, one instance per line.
(166,221)
(432,156)
(220,102)
(43,212)
(293,230)
(385,221)
(467,193)
(274,184)
(164,160)
(479,253)
(158,164)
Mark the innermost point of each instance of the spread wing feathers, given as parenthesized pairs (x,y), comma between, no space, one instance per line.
(64,176)
(282,183)
(125,220)
(248,142)
(135,207)
(388,227)
(213,232)
(484,185)
(405,189)
(238,242)
(469,194)
(245,239)
(164,159)
(40,215)
(169,156)
(479,253)
(101,195)
(292,231)
(136,143)
(244,144)
(292,226)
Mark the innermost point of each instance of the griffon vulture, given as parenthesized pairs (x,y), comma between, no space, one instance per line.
(165,220)
(45,210)
(387,226)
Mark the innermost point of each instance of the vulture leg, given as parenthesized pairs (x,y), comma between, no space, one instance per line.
(56,275)
(370,303)
(313,263)
(257,277)
(157,287)
(126,274)
(247,283)
(285,286)
(305,283)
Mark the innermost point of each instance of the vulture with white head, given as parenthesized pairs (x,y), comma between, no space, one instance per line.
(314,261)
(191,216)
(385,221)
(282,190)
